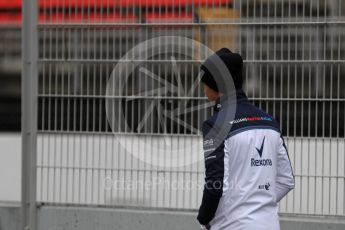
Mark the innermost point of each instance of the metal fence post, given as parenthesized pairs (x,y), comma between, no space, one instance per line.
(29,112)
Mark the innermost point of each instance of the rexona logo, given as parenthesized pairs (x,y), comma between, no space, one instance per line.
(261,162)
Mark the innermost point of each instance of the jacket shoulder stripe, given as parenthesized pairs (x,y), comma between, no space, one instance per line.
(237,131)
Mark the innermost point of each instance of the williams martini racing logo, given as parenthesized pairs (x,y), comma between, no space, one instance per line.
(261,162)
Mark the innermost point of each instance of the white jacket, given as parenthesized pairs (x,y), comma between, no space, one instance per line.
(247,171)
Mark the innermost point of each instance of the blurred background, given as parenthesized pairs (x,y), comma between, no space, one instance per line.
(274,37)
(294,53)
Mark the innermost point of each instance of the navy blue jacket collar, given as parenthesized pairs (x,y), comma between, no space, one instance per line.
(240,95)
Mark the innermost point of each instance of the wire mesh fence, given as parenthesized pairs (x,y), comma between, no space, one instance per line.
(147,153)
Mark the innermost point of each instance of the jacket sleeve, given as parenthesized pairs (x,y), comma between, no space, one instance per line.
(285,179)
(214,175)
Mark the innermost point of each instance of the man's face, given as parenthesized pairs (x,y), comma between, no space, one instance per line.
(211,94)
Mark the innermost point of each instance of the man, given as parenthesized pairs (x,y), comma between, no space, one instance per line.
(247,170)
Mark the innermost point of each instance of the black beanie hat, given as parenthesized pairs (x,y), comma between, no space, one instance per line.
(234,63)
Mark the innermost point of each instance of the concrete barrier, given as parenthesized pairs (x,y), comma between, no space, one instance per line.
(84,218)
(9,216)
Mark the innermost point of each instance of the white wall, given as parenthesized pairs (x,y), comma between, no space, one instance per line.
(77,166)
(10,166)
